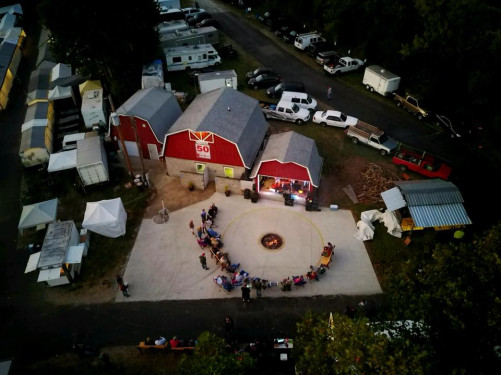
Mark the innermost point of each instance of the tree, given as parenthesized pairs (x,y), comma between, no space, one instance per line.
(107,45)
(212,357)
(347,346)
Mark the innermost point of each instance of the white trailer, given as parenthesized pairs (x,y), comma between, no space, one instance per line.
(93,108)
(171,26)
(380,80)
(191,57)
(214,80)
(92,164)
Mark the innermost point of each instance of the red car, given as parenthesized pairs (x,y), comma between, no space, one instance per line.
(426,165)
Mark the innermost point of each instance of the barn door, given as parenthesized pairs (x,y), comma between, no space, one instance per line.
(153,151)
(205,180)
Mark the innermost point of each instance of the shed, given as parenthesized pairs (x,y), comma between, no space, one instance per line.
(153,110)
(89,85)
(214,80)
(221,132)
(92,163)
(60,257)
(290,163)
(38,214)
(431,203)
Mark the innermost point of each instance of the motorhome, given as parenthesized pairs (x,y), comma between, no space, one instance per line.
(202,35)
(191,57)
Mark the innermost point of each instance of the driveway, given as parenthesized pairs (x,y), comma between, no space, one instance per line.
(164,263)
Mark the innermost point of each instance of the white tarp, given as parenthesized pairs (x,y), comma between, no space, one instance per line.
(60,92)
(38,213)
(62,160)
(366,229)
(106,217)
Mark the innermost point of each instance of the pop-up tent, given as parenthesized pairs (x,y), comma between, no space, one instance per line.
(36,214)
(62,160)
(106,217)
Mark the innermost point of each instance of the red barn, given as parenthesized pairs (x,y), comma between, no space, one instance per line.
(154,110)
(290,163)
(219,134)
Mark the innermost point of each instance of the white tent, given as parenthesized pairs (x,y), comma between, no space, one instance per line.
(59,92)
(62,160)
(39,213)
(106,217)
(60,71)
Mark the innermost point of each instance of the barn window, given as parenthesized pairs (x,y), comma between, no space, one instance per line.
(228,172)
(200,167)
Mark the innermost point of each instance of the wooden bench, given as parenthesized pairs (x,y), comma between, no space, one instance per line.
(182,348)
(142,346)
(325,260)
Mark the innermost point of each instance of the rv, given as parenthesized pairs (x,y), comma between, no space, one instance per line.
(191,57)
(202,35)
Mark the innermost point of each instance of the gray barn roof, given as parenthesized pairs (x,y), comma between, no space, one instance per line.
(434,203)
(39,80)
(155,105)
(229,114)
(33,137)
(292,147)
(6,53)
(37,111)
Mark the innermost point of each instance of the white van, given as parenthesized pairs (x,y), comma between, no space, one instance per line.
(304,40)
(302,99)
(191,57)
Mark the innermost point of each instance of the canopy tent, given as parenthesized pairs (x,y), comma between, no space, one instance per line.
(106,217)
(89,85)
(60,92)
(38,214)
(62,160)
(60,71)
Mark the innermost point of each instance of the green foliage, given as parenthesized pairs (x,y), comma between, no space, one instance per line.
(353,347)
(211,357)
(111,46)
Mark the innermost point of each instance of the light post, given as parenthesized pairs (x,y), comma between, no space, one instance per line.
(115,120)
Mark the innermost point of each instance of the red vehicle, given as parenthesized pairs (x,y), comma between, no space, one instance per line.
(426,165)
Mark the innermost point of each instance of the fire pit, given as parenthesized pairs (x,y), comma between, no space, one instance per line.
(271,241)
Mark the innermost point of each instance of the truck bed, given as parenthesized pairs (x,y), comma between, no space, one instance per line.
(364,130)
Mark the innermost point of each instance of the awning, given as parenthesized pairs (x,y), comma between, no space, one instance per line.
(32,262)
(52,274)
(75,254)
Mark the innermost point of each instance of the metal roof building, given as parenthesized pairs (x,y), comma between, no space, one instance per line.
(431,203)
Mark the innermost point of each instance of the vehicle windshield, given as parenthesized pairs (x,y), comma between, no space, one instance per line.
(343,117)
(295,108)
(383,138)
(308,99)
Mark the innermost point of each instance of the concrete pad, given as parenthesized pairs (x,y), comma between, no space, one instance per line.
(164,263)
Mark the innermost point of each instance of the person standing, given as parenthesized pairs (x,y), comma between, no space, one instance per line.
(192,227)
(245,293)
(203,261)
(329,93)
(256,284)
(124,288)
(203,215)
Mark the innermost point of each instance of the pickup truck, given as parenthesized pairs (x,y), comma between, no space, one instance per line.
(372,136)
(343,65)
(424,164)
(285,111)
(411,104)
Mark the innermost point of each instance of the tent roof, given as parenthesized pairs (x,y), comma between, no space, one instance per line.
(38,213)
(106,217)
(59,93)
(62,160)
(60,71)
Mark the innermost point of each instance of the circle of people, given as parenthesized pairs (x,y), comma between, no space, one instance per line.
(209,240)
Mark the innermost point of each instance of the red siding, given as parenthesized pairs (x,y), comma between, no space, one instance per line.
(144,133)
(222,152)
(284,170)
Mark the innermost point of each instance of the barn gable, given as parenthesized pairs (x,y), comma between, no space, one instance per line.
(229,114)
(154,105)
(292,147)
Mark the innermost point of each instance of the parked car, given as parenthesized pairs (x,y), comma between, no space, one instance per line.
(263,81)
(208,22)
(258,71)
(314,48)
(198,17)
(191,11)
(276,91)
(424,164)
(334,118)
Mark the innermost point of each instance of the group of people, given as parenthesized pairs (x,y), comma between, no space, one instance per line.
(174,342)
(208,238)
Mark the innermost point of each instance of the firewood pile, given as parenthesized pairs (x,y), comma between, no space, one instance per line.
(374,180)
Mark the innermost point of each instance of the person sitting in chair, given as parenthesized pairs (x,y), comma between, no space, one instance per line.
(160,340)
(149,341)
(174,342)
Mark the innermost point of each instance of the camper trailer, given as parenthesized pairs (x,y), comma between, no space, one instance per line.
(214,80)
(180,38)
(191,57)
(380,80)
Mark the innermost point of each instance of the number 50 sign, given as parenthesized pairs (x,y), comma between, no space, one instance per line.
(202,150)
